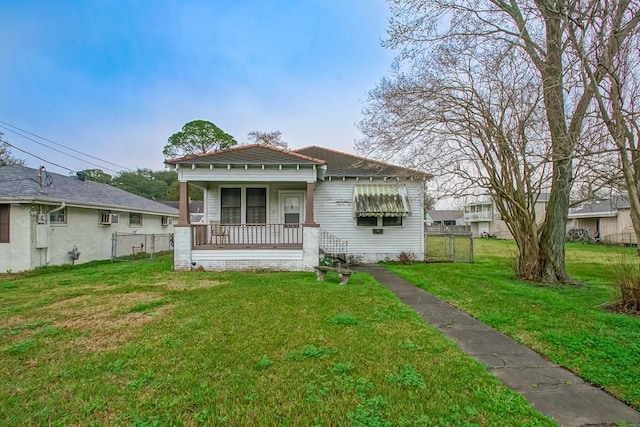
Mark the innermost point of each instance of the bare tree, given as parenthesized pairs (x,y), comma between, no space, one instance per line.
(615,81)
(479,124)
(536,30)
(269,138)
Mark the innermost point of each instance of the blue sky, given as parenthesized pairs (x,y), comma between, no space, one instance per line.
(115,78)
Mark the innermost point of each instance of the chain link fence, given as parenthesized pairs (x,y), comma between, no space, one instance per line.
(448,247)
(133,246)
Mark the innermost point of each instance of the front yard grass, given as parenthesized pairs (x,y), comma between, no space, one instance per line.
(136,344)
(568,324)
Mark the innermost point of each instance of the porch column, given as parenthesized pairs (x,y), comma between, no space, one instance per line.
(309,220)
(183,216)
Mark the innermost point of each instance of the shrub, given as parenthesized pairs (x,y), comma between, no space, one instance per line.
(406,257)
(627,285)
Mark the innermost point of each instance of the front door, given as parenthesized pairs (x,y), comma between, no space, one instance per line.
(291,205)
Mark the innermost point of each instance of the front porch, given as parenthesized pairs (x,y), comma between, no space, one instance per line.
(216,236)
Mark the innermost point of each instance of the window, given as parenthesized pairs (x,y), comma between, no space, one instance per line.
(391,221)
(368,221)
(4,223)
(253,200)
(165,221)
(256,206)
(58,217)
(135,219)
(231,203)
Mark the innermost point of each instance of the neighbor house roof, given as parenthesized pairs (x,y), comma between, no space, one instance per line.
(445,215)
(254,154)
(22,184)
(341,164)
(600,208)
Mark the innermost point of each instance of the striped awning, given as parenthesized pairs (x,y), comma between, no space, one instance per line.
(380,200)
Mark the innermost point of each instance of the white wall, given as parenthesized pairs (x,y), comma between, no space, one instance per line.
(82,230)
(334,213)
(93,240)
(16,254)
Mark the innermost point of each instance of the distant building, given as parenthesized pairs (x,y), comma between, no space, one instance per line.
(446,220)
(484,219)
(606,220)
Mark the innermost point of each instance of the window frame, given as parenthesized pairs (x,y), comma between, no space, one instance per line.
(61,213)
(5,223)
(366,219)
(135,224)
(243,203)
(390,224)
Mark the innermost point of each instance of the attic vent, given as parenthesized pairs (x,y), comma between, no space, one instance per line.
(107,218)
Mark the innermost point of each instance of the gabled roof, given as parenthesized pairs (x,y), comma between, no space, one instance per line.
(22,184)
(445,215)
(254,154)
(341,164)
(600,208)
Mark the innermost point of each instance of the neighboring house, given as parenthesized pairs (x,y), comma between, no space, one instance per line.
(46,216)
(271,208)
(447,220)
(196,209)
(607,220)
(485,220)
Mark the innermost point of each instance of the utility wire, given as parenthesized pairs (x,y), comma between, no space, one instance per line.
(39,158)
(64,146)
(56,150)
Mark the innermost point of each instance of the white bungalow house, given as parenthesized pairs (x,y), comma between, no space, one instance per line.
(271,208)
(52,219)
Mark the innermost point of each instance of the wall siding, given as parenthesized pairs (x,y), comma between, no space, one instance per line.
(82,230)
(334,213)
(16,254)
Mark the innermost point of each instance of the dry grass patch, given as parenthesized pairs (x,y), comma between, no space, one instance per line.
(202,284)
(106,321)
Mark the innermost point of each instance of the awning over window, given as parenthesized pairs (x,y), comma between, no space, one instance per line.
(380,200)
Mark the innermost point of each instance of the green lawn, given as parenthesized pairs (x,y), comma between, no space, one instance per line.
(136,344)
(565,323)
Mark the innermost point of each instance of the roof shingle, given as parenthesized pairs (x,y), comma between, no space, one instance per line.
(19,183)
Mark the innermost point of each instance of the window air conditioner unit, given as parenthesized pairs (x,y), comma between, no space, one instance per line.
(109,218)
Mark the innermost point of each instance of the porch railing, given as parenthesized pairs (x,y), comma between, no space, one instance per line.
(247,236)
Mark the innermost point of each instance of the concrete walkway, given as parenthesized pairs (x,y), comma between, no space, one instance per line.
(552,390)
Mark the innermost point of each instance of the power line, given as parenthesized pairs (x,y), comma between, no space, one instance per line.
(39,158)
(63,146)
(56,150)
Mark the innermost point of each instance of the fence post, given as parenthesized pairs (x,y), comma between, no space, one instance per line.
(114,245)
(153,246)
(452,242)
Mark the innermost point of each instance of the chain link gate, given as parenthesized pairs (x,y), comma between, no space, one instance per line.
(133,246)
(448,247)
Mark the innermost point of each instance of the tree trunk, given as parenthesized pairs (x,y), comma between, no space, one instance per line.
(552,239)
